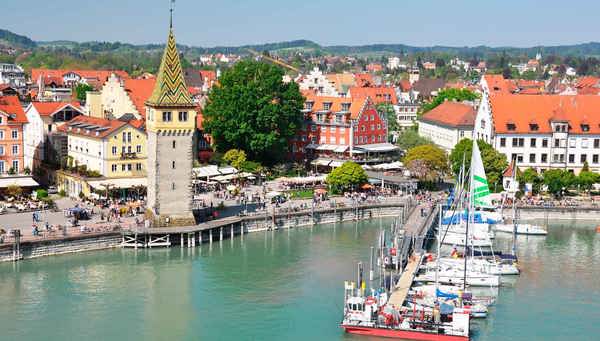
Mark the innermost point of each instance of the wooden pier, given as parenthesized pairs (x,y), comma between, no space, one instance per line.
(189,236)
(417,230)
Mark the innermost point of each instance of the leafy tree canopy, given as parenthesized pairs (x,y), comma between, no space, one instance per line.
(253,109)
(586,179)
(348,176)
(235,157)
(530,176)
(388,111)
(81,89)
(557,180)
(427,162)
(410,138)
(494,162)
(449,94)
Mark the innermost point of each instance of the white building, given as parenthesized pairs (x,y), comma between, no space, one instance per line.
(12,75)
(542,132)
(44,119)
(319,83)
(406,114)
(394,63)
(447,124)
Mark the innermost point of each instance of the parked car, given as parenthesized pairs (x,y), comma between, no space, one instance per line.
(52,190)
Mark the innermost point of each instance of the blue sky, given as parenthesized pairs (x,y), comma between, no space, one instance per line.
(352,22)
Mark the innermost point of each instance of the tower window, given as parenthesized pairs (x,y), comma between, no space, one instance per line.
(173,186)
(173,144)
(166,116)
(173,164)
(183,116)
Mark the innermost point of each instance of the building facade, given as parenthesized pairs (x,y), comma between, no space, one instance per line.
(43,142)
(341,128)
(109,150)
(13,75)
(447,124)
(318,83)
(544,131)
(12,121)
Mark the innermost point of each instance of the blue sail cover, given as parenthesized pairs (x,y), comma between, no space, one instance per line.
(446,309)
(440,293)
(477,218)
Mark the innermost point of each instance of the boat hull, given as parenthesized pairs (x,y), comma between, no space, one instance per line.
(402,334)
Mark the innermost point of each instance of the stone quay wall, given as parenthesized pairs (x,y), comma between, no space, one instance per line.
(559,213)
(59,246)
(322,216)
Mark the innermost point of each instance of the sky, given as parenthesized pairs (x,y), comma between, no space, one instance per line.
(519,23)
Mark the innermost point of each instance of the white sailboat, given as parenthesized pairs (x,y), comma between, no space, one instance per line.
(525,229)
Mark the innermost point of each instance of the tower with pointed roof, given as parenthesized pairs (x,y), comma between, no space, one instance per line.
(170,124)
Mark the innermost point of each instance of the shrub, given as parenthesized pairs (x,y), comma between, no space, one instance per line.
(41,193)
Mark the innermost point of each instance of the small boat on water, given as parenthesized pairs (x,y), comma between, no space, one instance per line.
(460,240)
(369,316)
(486,266)
(524,229)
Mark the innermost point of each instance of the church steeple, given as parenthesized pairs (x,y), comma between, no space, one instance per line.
(170,89)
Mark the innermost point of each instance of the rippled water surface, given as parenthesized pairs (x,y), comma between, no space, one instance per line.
(285,285)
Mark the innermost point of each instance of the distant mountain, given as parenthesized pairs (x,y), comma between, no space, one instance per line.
(585,49)
(14,40)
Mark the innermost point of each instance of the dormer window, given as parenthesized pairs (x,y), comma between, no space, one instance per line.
(326,105)
(585,127)
(511,126)
(308,105)
(345,106)
(534,127)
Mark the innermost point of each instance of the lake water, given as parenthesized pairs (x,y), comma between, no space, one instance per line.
(284,285)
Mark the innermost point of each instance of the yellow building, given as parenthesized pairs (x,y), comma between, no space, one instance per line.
(103,154)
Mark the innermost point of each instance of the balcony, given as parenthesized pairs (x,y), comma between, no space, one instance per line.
(129,156)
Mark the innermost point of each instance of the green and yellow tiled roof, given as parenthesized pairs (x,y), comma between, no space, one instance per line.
(170,88)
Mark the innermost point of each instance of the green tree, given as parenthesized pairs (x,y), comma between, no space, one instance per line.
(450,94)
(530,176)
(494,162)
(80,91)
(586,180)
(253,109)
(388,111)
(557,180)
(346,177)
(427,162)
(235,157)
(410,138)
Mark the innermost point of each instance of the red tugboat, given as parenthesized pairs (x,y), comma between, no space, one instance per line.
(372,316)
(365,316)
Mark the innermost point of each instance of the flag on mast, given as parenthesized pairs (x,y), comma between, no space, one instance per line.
(479,184)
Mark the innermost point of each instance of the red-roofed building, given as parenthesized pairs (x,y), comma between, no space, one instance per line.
(377,94)
(12,121)
(374,67)
(208,78)
(448,123)
(544,131)
(364,80)
(72,77)
(43,142)
(340,128)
